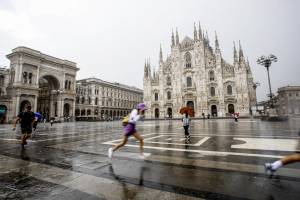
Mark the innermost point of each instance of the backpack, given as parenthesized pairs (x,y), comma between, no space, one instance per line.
(125,120)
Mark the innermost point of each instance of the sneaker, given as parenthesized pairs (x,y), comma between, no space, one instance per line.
(268,169)
(110,152)
(144,155)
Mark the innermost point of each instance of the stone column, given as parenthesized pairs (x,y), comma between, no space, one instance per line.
(35,103)
(17,108)
(73,110)
(37,75)
(61,108)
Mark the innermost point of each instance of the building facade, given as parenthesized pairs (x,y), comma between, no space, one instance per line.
(4,79)
(288,103)
(196,75)
(42,81)
(101,100)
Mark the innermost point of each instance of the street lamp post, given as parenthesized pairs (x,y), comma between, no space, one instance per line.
(266,62)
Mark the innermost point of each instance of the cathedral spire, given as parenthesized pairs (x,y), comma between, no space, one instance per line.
(200,32)
(173,40)
(154,75)
(206,37)
(160,55)
(177,37)
(146,70)
(195,33)
(217,47)
(235,58)
(241,54)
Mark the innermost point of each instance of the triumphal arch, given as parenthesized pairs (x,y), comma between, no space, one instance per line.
(46,83)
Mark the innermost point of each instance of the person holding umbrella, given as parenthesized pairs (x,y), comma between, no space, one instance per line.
(186,121)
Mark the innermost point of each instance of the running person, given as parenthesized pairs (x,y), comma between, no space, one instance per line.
(129,130)
(273,167)
(26,119)
(186,122)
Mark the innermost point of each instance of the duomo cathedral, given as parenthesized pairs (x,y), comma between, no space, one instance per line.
(196,75)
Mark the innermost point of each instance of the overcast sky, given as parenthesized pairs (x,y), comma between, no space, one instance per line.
(111,39)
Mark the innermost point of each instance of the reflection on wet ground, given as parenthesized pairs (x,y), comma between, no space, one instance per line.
(223,160)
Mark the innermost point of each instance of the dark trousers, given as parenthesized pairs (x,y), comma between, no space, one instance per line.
(186,130)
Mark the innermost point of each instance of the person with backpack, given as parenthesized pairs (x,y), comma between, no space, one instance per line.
(186,122)
(129,124)
(26,119)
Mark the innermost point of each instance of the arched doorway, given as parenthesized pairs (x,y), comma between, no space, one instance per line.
(214,111)
(24,104)
(156,113)
(48,98)
(190,104)
(66,110)
(169,112)
(102,114)
(77,112)
(231,108)
(3,111)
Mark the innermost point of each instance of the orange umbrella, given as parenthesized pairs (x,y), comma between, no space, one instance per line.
(190,111)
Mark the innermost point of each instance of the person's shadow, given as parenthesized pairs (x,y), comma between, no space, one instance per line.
(127,192)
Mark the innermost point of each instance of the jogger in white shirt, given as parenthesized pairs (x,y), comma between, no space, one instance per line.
(129,130)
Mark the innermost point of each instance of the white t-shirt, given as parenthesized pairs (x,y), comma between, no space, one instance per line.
(134,116)
(186,121)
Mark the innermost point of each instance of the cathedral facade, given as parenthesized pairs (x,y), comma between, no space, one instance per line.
(195,75)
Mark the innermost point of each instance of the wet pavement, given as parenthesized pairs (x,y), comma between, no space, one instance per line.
(224,160)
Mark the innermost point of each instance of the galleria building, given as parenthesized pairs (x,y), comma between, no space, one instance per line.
(196,75)
(49,85)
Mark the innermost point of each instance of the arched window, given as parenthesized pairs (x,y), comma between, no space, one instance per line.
(211,76)
(1,80)
(229,90)
(96,101)
(66,84)
(188,60)
(169,82)
(169,95)
(188,81)
(156,96)
(212,91)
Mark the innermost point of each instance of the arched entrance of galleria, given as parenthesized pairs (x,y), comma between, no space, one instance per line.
(48,96)
(46,82)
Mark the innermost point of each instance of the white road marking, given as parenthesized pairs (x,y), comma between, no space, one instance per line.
(176,140)
(204,152)
(225,135)
(202,141)
(267,144)
(147,139)
(11,139)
